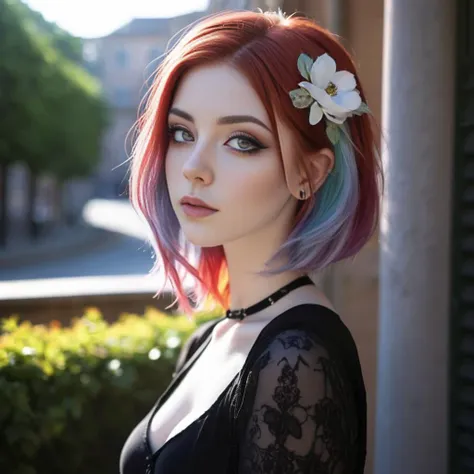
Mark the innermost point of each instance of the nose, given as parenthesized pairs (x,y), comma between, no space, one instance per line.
(197,169)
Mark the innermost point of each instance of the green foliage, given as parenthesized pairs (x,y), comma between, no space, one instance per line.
(69,397)
(69,46)
(52,111)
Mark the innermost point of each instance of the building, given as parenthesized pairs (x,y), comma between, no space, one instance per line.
(124,62)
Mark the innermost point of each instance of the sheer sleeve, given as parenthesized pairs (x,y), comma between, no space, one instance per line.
(301,412)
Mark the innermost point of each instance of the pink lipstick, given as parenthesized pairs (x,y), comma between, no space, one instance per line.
(195,207)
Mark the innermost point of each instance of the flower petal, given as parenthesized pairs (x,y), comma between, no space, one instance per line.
(323,70)
(315,114)
(344,80)
(311,88)
(339,120)
(348,100)
(324,99)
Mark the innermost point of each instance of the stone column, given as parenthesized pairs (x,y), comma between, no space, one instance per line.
(337,17)
(273,5)
(418,116)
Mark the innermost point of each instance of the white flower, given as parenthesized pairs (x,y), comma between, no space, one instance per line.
(334,93)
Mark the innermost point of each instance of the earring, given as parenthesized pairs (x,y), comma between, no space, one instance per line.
(302,194)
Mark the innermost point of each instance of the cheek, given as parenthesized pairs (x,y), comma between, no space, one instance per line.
(172,172)
(259,190)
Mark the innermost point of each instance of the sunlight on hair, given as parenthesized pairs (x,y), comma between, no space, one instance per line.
(333,225)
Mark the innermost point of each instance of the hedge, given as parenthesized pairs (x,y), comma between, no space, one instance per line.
(70,396)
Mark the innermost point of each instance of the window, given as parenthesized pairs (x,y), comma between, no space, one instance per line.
(121,58)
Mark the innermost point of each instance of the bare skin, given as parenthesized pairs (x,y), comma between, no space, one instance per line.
(256,195)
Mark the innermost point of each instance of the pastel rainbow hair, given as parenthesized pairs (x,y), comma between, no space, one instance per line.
(332,225)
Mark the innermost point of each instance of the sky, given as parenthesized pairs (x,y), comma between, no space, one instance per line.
(94,18)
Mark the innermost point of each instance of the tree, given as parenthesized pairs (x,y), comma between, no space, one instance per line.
(52,113)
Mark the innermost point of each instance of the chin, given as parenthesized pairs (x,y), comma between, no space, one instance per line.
(202,238)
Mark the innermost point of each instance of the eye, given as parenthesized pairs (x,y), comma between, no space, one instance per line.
(180,134)
(244,144)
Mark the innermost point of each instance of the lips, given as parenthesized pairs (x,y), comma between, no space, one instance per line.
(195,207)
(196,202)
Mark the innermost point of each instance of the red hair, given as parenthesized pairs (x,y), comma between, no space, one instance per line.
(265,48)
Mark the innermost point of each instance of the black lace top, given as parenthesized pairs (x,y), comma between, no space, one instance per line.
(298,406)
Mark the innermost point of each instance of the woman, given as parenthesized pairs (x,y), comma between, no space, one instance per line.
(256,165)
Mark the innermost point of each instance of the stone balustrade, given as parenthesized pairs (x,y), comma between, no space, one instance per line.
(42,301)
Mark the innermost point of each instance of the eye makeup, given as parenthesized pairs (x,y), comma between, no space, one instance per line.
(172,129)
(236,137)
(256,145)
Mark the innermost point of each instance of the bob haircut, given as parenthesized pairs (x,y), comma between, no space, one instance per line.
(332,225)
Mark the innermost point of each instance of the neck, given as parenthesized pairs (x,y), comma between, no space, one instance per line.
(255,288)
(244,261)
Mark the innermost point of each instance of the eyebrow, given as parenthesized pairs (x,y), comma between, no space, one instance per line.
(227,120)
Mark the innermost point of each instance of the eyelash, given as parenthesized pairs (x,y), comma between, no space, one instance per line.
(242,135)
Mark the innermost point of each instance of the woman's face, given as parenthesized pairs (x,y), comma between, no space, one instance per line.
(223,151)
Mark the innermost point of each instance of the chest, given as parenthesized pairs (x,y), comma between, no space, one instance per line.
(200,388)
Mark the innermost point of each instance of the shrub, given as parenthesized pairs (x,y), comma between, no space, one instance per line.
(69,396)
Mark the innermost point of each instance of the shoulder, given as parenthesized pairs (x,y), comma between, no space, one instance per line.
(302,362)
(291,340)
(313,329)
(295,368)
(292,348)
(299,407)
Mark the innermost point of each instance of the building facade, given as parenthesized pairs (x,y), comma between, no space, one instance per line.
(124,62)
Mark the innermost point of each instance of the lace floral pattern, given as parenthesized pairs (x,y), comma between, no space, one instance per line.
(302,417)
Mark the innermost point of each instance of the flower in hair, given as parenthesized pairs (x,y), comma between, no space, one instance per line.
(328,93)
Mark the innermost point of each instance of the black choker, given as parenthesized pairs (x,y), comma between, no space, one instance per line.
(274,297)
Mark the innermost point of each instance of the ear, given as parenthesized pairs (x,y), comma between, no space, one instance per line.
(300,181)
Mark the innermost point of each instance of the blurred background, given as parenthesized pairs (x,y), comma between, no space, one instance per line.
(83,339)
